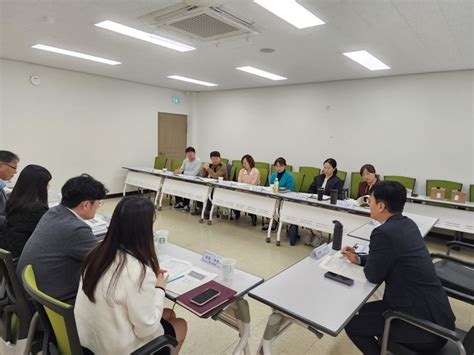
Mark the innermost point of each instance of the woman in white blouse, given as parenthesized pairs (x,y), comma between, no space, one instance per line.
(120,302)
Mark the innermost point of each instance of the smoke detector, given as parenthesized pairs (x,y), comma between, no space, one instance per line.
(204,20)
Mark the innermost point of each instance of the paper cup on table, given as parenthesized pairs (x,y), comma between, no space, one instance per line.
(228,266)
(220,178)
(160,238)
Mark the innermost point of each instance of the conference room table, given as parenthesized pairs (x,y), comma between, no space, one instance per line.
(315,302)
(468,205)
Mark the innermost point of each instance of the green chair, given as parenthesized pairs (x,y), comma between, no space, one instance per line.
(356,179)
(176,164)
(236,162)
(309,174)
(261,165)
(238,166)
(341,175)
(263,176)
(160,162)
(471,193)
(57,319)
(448,185)
(408,182)
(298,177)
(224,161)
(233,173)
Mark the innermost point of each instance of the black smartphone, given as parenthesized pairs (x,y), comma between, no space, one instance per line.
(339,278)
(205,296)
(414,195)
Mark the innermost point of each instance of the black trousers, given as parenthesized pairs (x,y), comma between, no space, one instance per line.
(185,201)
(367,327)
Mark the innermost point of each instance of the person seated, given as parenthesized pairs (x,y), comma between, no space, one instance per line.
(370,178)
(248,175)
(215,170)
(27,203)
(61,239)
(190,166)
(398,256)
(8,167)
(120,302)
(285,181)
(328,180)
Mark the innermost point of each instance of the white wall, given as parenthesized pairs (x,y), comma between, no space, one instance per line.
(74,122)
(416,125)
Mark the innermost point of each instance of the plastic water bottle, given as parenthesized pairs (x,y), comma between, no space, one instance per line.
(275,186)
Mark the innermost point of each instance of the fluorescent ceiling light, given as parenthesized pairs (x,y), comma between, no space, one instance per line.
(144,36)
(75,54)
(291,12)
(189,80)
(261,73)
(367,60)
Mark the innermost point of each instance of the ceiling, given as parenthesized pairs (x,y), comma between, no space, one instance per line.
(411,36)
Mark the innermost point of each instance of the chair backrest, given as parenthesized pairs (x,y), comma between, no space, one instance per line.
(238,166)
(356,179)
(448,185)
(341,175)
(471,193)
(263,176)
(298,177)
(406,181)
(225,161)
(176,164)
(17,315)
(57,315)
(160,162)
(233,173)
(262,165)
(235,162)
(309,174)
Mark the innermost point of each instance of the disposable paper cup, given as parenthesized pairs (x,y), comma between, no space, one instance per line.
(228,266)
(220,179)
(160,238)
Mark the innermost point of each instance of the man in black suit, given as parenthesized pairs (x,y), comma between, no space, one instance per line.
(398,257)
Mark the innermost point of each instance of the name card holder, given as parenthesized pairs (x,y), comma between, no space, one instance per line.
(212,258)
(320,251)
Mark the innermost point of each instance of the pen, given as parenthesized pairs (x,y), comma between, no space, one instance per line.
(176,278)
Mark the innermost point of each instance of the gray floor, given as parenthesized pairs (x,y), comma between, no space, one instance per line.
(245,243)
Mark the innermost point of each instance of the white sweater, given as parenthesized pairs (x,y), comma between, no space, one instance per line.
(128,318)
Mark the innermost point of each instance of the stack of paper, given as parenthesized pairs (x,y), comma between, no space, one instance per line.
(175,268)
(191,279)
(98,225)
(339,264)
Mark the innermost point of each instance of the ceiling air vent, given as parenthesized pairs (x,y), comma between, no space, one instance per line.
(205,23)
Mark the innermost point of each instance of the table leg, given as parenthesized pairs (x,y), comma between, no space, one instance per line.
(279,234)
(157,193)
(211,212)
(204,205)
(124,189)
(269,231)
(161,201)
(243,317)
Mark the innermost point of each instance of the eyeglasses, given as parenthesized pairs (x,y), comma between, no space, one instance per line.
(11,166)
(101,203)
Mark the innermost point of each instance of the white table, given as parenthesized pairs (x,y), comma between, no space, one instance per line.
(143,178)
(236,313)
(188,187)
(446,203)
(315,302)
(245,198)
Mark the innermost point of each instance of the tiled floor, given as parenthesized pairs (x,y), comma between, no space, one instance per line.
(245,243)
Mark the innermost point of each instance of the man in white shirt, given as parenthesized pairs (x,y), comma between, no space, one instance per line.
(190,166)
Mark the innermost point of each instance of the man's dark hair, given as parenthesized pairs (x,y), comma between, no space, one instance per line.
(215,153)
(82,188)
(392,194)
(6,156)
(190,149)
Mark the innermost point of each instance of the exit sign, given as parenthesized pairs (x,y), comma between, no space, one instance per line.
(176,100)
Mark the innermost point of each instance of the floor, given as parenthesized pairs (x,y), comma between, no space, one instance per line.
(245,243)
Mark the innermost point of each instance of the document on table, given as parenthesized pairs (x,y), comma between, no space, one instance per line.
(97,224)
(191,279)
(175,267)
(338,264)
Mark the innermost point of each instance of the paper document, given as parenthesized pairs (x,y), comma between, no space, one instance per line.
(175,267)
(206,179)
(189,280)
(338,264)
(98,225)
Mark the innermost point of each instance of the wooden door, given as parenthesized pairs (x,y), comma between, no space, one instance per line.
(172,133)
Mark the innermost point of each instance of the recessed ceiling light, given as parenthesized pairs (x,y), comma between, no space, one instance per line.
(291,12)
(267,50)
(367,60)
(261,73)
(189,80)
(144,36)
(75,54)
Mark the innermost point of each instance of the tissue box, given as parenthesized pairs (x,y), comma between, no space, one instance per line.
(438,193)
(458,196)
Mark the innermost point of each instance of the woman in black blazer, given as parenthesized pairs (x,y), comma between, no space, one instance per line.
(25,207)
(328,179)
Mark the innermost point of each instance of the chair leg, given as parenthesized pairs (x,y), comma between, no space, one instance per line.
(31,333)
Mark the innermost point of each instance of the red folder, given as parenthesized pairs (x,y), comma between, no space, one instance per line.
(226,295)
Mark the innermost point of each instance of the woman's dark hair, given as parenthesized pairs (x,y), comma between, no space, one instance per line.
(369,167)
(82,188)
(392,194)
(333,163)
(249,159)
(280,161)
(190,149)
(31,187)
(130,232)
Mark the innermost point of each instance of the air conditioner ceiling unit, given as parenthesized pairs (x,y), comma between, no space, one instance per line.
(205,23)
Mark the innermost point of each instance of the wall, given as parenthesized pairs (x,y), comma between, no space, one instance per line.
(414,125)
(74,122)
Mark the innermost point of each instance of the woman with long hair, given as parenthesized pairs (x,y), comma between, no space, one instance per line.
(120,302)
(27,203)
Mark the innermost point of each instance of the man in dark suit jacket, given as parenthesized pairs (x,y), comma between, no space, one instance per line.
(8,167)
(398,256)
(62,239)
